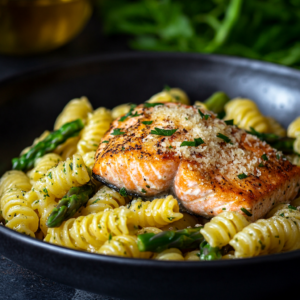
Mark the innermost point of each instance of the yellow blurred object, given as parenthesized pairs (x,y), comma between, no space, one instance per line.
(34,26)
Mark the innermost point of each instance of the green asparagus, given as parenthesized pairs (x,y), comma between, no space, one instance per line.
(48,144)
(216,102)
(188,238)
(207,252)
(70,204)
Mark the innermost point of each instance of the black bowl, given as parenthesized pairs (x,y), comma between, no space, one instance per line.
(29,104)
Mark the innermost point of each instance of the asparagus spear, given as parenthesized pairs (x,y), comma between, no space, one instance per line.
(282,144)
(216,102)
(188,238)
(48,144)
(70,204)
(207,252)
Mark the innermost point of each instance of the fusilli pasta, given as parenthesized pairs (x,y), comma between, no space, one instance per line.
(97,124)
(246,114)
(89,159)
(294,128)
(172,95)
(222,228)
(159,212)
(68,148)
(120,110)
(169,254)
(192,256)
(186,221)
(275,127)
(123,245)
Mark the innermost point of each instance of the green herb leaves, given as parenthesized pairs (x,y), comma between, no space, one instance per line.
(264,157)
(148,105)
(292,207)
(163,132)
(203,116)
(147,122)
(242,176)
(225,138)
(105,142)
(123,192)
(246,212)
(195,143)
(229,122)
(129,114)
(117,131)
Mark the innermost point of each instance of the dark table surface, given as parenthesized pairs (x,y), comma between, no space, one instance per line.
(16,282)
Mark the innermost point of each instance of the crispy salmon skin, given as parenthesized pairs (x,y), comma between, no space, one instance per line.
(208,165)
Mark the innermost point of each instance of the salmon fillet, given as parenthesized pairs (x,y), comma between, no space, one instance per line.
(208,165)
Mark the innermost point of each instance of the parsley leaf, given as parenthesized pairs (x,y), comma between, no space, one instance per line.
(261,165)
(229,122)
(147,104)
(242,176)
(246,212)
(292,207)
(163,132)
(224,138)
(147,122)
(123,192)
(143,191)
(167,88)
(117,131)
(264,157)
(203,116)
(197,142)
(129,114)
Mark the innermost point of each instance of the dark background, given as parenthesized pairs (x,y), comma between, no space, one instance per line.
(15,282)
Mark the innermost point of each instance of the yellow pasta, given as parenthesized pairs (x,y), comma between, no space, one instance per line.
(75,109)
(149,230)
(200,105)
(16,179)
(284,210)
(68,148)
(158,213)
(275,127)
(123,245)
(18,213)
(186,221)
(173,95)
(246,114)
(42,165)
(296,145)
(92,231)
(221,229)
(97,124)
(273,235)
(120,110)
(192,256)
(169,254)
(89,159)
(105,198)
(294,128)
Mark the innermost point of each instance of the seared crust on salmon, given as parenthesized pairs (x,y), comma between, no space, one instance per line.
(210,166)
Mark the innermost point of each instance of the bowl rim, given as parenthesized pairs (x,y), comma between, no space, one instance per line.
(148,263)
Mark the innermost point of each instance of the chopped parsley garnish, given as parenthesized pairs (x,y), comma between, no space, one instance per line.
(167,88)
(292,207)
(224,208)
(262,246)
(139,206)
(264,157)
(203,116)
(109,237)
(129,114)
(281,215)
(148,186)
(46,192)
(170,147)
(163,132)
(105,142)
(171,218)
(278,156)
(246,212)
(261,165)
(143,191)
(147,122)
(50,175)
(117,131)
(229,122)
(197,142)
(242,176)
(123,192)
(135,114)
(224,138)
(71,166)
(147,104)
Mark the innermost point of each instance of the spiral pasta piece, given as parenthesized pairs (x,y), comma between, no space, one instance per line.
(14,179)
(123,245)
(221,229)
(105,198)
(90,232)
(169,254)
(68,148)
(42,165)
(157,213)
(273,235)
(275,127)
(294,128)
(175,95)
(89,159)
(246,114)
(18,213)
(75,109)
(201,105)
(97,125)
(120,110)
(186,221)
(192,256)
(284,210)
(149,230)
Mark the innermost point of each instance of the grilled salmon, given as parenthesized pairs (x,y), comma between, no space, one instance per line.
(208,165)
